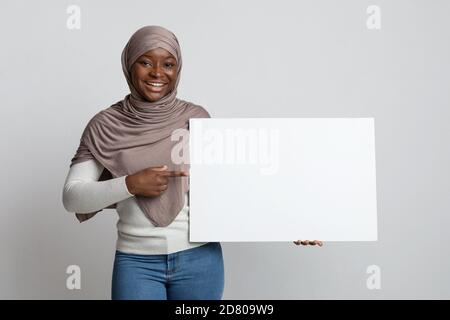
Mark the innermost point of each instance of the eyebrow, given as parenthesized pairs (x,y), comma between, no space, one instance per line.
(168,57)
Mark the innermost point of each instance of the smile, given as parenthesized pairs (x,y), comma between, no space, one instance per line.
(155,84)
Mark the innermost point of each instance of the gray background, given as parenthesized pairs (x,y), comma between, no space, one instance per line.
(241,59)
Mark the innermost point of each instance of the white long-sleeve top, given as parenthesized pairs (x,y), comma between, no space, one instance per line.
(83,193)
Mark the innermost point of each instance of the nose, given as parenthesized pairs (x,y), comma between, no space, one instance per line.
(155,71)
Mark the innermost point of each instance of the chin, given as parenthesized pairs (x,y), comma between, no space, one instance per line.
(151,97)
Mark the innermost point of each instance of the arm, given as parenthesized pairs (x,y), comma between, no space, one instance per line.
(83,193)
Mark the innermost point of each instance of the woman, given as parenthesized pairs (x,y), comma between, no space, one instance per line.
(124,162)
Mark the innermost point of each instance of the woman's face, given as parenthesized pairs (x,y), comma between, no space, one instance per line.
(154,74)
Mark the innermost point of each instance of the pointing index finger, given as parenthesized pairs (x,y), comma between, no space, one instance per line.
(174,173)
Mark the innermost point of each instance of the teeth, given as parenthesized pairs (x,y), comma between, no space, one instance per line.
(155,84)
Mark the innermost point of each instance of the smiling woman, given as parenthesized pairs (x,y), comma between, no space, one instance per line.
(130,142)
(124,161)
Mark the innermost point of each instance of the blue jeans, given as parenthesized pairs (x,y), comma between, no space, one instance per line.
(195,273)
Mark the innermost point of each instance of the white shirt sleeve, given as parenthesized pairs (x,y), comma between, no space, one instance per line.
(83,193)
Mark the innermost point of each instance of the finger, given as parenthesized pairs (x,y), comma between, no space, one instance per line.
(320,243)
(305,242)
(161,180)
(175,173)
(162,188)
(297,242)
(160,168)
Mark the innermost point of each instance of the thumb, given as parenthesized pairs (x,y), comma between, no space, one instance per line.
(160,168)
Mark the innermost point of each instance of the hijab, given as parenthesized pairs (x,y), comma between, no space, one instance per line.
(134,134)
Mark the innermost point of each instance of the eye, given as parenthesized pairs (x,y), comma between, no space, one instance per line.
(169,65)
(146,63)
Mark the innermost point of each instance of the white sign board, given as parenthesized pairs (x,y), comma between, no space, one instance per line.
(282,179)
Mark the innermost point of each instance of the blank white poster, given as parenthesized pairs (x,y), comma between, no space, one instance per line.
(282,179)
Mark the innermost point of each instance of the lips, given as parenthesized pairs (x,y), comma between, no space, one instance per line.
(155,86)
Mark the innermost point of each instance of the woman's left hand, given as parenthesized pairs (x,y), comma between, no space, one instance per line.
(309,242)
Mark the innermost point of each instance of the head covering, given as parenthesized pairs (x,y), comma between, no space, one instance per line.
(134,134)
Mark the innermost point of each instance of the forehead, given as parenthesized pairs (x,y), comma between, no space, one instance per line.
(158,53)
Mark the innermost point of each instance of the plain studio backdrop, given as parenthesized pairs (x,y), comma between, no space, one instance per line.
(241,59)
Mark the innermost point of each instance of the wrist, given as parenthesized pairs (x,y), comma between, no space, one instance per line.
(130,185)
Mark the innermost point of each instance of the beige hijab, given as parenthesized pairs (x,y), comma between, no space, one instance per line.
(134,134)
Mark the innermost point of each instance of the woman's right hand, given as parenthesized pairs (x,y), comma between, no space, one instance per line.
(151,182)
